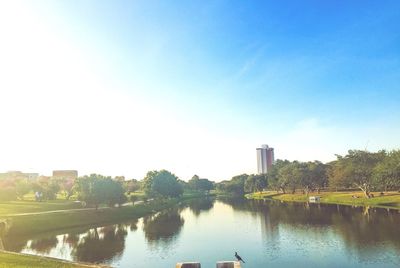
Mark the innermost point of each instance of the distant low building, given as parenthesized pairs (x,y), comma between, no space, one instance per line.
(65,174)
(17,175)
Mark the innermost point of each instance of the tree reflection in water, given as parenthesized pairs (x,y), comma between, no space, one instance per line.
(163,227)
(199,205)
(362,229)
(133,226)
(44,245)
(101,244)
(353,235)
(71,239)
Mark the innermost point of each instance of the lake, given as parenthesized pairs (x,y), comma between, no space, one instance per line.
(264,233)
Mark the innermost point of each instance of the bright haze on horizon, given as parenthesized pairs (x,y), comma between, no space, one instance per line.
(124,87)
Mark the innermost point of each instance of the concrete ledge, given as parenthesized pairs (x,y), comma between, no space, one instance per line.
(228,264)
(188,265)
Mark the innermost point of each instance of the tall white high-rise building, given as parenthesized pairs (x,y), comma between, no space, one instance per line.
(265,159)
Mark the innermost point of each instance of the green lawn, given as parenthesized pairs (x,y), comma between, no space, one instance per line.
(29,206)
(36,224)
(388,200)
(14,260)
(40,223)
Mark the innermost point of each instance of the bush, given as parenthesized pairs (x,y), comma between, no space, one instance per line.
(8,194)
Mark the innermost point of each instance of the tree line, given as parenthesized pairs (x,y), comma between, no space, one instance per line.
(361,169)
(366,171)
(96,189)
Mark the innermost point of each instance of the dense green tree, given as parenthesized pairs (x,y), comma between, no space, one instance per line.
(286,178)
(255,183)
(185,185)
(161,184)
(22,187)
(273,175)
(312,176)
(234,186)
(356,169)
(337,174)
(387,172)
(98,189)
(202,185)
(115,194)
(132,185)
(193,182)
(7,193)
(318,175)
(47,186)
(67,187)
(91,189)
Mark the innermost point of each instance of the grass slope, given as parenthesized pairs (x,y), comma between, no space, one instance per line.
(388,200)
(29,206)
(31,225)
(15,260)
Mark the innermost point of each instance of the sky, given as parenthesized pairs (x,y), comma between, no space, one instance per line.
(124,87)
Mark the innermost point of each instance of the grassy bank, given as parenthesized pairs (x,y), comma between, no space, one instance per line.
(16,260)
(36,224)
(40,223)
(30,206)
(388,200)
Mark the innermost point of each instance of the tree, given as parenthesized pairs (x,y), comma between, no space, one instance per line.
(161,184)
(255,183)
(273,175)
(132,185)
(193,182)
(22,187)
(312,175)
(235,186)
(66,187)
(97,189)
(387,172)
(318,175)
(357,169)
(115,192)
(202,185)
(185,185)
(337,173)
(205,185)
(285,178)
(47,186)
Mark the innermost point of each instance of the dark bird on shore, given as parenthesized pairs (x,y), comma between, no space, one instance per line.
(239,258)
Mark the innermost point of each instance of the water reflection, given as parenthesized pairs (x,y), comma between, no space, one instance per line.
(45,245)
(299,232)
(198,206)
(101,244)
(370,234)
(163,227)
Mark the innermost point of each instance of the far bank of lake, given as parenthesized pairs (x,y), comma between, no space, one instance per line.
(390,200)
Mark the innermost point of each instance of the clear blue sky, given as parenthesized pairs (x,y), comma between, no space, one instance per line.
(199,84)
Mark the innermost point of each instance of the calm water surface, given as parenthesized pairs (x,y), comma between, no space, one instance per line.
(265,233)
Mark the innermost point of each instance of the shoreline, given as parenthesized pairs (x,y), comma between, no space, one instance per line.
(14,259)
(390,200)
(38,224)
(33,224)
